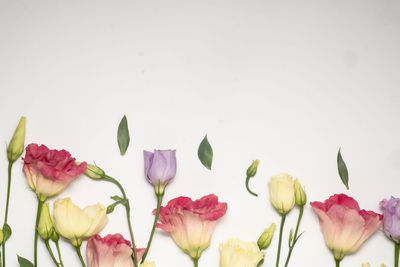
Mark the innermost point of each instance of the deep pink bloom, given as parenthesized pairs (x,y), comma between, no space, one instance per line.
(191,223)
(49,171)
(110,251)
(344,225)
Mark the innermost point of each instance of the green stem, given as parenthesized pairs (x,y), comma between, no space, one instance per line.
(51,252)
(248,188)
(396,254)
(59,254)
(291,246)
(39,210)
(78,251)
(10,164)
(128,214)
(159,202)
(337,263)
(280,239)
(195,262)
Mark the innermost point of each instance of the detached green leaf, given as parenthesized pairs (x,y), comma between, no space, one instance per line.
(24,262)
(6,232)
(123,135)
(205,153)
(343,173)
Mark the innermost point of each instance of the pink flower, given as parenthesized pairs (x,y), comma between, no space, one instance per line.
(110,251)
(191,223)
(49,171)
(344,226)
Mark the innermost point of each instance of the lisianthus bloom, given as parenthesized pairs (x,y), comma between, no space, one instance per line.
(159,168)
(49,171)
(391,218)
(76,224)
(191,223)
(366,264)
(281,192)
(148,264)
(110,251)
(345,227)
(237,253)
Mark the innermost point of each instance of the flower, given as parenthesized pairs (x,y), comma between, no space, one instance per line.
(49,171)
(76,224)
(344,226)
(16,146)
(265,239)
(191,223)
(148,264)
(366,264)
(299,194)
(110,251)
(45,227)
(159,168)
(391,218)
(237,253)
(281,190)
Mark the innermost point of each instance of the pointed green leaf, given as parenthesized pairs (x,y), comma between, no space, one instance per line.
(24,262)
(343,173)
(6,232)
(123,135)
(205,153)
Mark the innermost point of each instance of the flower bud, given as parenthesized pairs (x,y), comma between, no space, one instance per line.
(45,227)
(281,190)
(55,236)
(366,265)
(1,236)
(148,264)
(265,239)
(16,146)
(299,194)
(94,172)
(252,170)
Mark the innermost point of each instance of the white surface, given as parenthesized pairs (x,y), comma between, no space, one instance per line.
(287,82)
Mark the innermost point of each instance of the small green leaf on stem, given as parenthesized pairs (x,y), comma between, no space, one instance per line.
(123,135)
(205,153)
(24,262)
(343,173)
(6,232)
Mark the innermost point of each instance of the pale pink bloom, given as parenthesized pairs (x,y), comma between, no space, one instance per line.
(344,225)
(191,223)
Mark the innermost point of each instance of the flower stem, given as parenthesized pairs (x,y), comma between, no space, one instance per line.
(337,263)
(195,262)
(59,254)
(291,246)
(78,251)
(396,254)
(51,252)
(10,164)
(159,202)
(39,210)
(128,214)
(280,239)
(248,188)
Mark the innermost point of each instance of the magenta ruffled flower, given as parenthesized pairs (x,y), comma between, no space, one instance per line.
(191,223)
(391,218)
(159,168)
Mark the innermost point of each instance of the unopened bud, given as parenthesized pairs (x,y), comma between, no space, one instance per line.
(94,172)
(55,236)
(252,170)
(265,239)
(16,146)
(45,227)
(299,194)
(1,236)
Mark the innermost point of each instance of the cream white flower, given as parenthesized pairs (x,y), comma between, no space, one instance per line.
(237,253)
(76,224)
(281,191)
(148,264)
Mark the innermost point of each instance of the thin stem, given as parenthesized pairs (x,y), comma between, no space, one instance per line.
(39,210)
(10,164)
(248,188)
(291,246)
(195,262)
(51,252)
(128,214)
(159,202)
(280,239)
(396,254)
(337,263)
(59,254)
(78,251)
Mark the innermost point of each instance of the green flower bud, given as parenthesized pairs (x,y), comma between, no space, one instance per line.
(16,146)
(1,236)
(252,170)
(54,236)
(265,239)
(94,172)
(45,227)
(300,195)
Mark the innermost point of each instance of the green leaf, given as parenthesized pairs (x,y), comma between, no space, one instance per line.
(123,135)
(343,173)
(205,153)
(6,232)
(24,262)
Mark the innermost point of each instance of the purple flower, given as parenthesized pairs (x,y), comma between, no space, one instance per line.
(159,168)
(391,218)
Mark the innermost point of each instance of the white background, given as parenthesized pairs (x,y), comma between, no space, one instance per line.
(286,82)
